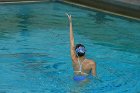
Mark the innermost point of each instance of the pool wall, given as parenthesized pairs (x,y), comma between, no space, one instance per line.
(129,8)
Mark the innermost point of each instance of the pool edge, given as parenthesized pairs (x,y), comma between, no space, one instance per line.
(102,10)
(30,1)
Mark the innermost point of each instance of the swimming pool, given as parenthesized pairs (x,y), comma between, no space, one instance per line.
(34,49)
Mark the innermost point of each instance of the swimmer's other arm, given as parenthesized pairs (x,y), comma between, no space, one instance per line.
(93,68)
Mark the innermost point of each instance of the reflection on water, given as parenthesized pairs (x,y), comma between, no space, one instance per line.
(100,18)
(24,16)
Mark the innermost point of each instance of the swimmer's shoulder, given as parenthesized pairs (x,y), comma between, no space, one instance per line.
(91,62)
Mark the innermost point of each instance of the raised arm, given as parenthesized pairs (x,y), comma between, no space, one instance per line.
(72,47)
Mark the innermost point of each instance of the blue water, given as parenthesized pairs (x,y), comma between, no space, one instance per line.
(35,57)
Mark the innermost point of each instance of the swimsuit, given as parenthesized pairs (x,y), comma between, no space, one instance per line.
(80,77)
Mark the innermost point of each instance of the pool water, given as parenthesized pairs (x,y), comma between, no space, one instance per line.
(35,54)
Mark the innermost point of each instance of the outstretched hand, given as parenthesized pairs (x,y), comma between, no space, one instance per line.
(69,16)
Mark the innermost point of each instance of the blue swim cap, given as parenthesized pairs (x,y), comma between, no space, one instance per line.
(80,50)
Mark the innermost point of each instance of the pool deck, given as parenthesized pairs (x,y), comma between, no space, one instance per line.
(128,8)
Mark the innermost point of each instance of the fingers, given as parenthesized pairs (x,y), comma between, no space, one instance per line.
(68,15)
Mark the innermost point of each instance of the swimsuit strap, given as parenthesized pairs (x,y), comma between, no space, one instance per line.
(80,64)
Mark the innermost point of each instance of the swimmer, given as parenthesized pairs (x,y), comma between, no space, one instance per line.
(82,66)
